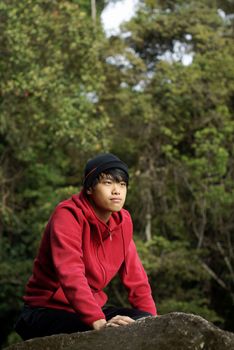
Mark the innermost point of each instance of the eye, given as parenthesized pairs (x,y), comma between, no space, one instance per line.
(123,184)
(107,182)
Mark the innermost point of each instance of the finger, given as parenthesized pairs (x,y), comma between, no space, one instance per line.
(122,322)
(112,324)
(126,319)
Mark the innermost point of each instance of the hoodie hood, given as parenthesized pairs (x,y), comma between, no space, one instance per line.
(101,230)
(114,224)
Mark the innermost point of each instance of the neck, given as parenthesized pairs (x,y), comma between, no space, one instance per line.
(103,215)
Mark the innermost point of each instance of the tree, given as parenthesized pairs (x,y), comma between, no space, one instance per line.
(50,121)
(180,142)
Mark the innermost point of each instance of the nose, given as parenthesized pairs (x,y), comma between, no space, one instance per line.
(116,188)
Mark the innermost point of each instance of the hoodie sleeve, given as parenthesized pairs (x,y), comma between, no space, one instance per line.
(135,280)
(67,255)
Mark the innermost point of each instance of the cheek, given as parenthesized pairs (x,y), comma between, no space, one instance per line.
(124,193)
(100,197)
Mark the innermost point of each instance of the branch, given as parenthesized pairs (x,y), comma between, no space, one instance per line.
(226,259)
(214,276)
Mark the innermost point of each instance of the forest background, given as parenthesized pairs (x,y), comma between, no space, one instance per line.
(67,92)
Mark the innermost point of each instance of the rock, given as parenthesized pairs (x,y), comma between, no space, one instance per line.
(173,331)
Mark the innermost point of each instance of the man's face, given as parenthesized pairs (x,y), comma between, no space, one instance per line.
(107,196)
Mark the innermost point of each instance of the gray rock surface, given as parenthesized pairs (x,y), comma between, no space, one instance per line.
(173,331)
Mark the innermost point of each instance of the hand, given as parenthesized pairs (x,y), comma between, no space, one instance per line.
(99,324)
(119,321)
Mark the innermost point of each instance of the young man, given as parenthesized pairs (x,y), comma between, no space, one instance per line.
(87,241)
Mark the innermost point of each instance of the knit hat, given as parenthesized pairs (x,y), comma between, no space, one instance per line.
(99,164)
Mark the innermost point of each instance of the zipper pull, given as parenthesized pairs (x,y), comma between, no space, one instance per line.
(110,236)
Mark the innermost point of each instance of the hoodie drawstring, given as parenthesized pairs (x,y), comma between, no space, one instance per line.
(124,251)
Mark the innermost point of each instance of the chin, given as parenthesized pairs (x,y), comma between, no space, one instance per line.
(114,210)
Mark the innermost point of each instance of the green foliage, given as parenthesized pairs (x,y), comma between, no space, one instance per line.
(51,120)
(180,142)
(177,277)
(195,305)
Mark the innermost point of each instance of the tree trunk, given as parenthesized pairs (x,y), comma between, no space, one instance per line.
(93,10)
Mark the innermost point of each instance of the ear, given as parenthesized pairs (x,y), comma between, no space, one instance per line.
(89,190)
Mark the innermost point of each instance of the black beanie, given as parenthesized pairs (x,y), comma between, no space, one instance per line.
(100,163)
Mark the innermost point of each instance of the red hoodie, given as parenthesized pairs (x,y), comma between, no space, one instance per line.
(79,255)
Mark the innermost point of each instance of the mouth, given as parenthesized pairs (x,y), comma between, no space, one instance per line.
(116,200)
